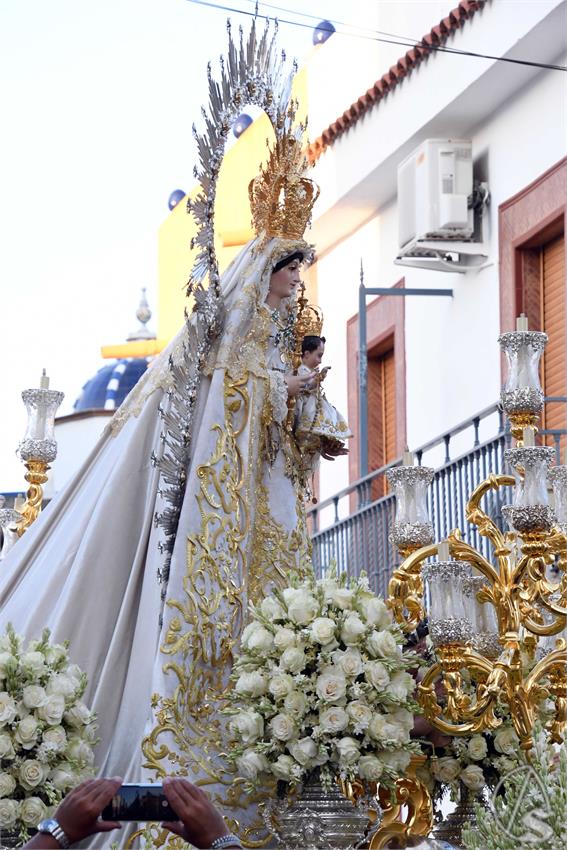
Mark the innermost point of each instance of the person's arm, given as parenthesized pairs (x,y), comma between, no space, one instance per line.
(78,814)
(200,823)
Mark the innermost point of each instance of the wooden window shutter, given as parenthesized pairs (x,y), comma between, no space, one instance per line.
(553,322)
(381,414)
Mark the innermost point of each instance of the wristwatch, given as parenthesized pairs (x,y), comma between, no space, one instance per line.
(225,841)
(51,827)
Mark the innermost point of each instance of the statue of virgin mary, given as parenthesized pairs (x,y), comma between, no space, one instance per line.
(192,503)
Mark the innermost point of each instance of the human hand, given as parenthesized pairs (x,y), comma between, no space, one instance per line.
(296,384)
(330,449)
(199,821)
(78,813)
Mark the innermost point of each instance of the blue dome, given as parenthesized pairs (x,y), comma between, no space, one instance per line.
(322,32)
(111,384)
(176,196)
(241,124)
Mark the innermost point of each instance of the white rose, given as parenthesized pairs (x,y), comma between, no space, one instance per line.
(382,644)
(251,684)
(250,764)
(78,715)
(283,728)
(359,713)
(26,732)
(281,685)
(403,717)
(248,725)
(342,598)
(352,630)
(59,683)
(8,813)
(303,609)
(8,708)
(33,696)
(63,777)
(34,662)
(284,637)
(31,774)
(88,733)
(55,654)
(323,630)
(247,633)
(293,659)
(304,751)
(370,768)
(397,761)
(394,731)
(506,741)
(260,640)
(329,586)
(349,661)
(52,709)
(8,664)
(376,674)
(284,768)
(7,785)
(6,747)
(401,685)
(376,727)
(473,777)
(79,751)
(333,719)
(272,609)
(445,769)
(376,613)
(74,672)
(56,736)
(331,686)
(477,748)
(295,703)
(32,811)
(348,750)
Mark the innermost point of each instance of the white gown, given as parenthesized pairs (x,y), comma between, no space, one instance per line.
(158,655)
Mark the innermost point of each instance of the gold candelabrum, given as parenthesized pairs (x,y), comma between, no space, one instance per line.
(498,626)
(37,450)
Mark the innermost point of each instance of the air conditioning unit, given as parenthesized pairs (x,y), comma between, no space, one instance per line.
(437,207)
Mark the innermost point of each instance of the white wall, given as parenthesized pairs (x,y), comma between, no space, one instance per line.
(76,438)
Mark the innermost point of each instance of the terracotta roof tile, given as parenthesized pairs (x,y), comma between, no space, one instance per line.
(403,68)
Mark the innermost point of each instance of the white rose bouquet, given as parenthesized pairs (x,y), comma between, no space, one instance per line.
(321,683)
(46,732)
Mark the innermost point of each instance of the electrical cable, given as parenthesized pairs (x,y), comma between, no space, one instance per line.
(402,41)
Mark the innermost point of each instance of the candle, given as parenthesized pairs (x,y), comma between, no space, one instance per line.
(19,502)
(44,381)
(522,322)
(528,436)
(443,551)
(407,459)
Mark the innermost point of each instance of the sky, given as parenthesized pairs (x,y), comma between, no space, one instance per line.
(98,100)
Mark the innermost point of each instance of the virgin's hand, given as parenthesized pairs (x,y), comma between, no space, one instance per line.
(332,449)
(296,384)
(199,821)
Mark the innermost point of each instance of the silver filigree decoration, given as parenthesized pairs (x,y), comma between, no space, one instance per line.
(524,400)
(447,571)
(557,475)
(42,450)
(529,456)
(411,534)
(487,644)
(528,518)
(9,517)
(513,341)
(450,630)
(43,398)
(410,475)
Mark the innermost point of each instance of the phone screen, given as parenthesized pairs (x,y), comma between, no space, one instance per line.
(139,802)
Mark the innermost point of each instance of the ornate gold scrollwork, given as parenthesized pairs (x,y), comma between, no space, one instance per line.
(408,813)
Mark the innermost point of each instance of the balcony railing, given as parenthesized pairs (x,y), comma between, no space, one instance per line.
(352,527)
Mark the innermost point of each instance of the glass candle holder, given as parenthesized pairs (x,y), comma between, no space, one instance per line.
(412,526)
(530,511)
(39,441)
(484,621)
(557,477)
(449,602)
(522,395)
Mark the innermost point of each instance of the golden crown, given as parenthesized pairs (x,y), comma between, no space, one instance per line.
(281,198)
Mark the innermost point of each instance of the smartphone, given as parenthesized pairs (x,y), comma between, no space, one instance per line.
(139,802)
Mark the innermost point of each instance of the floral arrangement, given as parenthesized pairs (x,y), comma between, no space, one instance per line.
(46,733)
(321,684)
(529,808)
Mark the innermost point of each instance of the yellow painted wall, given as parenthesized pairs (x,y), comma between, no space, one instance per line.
(232,218)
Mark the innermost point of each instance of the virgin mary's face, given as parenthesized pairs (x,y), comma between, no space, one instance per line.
(284,282)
